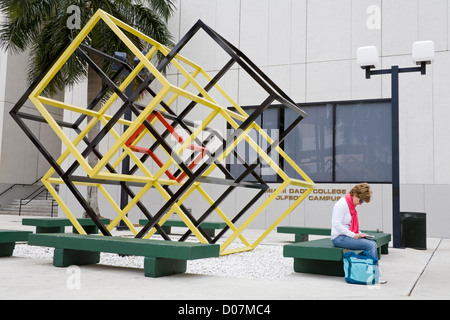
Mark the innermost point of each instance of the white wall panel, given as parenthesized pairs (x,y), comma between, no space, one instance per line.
(400,27)
(255,30)
(328,81)
(432,22)
(329,30)
(279,32)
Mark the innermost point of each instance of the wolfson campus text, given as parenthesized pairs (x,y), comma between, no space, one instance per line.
(321,194)
(225,309)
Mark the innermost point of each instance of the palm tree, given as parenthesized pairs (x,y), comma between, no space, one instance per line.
(41,26)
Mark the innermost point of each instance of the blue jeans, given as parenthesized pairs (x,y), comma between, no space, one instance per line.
(357,244)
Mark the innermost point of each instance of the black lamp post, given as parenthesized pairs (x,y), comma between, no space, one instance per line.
(367,59)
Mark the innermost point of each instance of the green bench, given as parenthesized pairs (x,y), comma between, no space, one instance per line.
(162,258)
(8,240)
(209,227)
(302,233)
(321,257)
(57,225)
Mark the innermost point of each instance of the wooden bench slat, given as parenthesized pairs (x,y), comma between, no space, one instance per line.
(302,233)
(304,230)
(13,235)
(59,222)
(207,226)
(179,223)
(57,225)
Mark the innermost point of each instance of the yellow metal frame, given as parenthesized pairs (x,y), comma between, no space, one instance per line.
(149,179)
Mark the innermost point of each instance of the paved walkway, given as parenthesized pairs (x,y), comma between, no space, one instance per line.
(411,274)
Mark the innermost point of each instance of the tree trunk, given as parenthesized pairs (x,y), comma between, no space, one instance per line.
(94,88)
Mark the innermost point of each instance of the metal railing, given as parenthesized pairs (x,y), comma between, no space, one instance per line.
(19,184)
(34,195)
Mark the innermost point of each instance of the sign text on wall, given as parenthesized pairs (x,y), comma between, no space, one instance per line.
(321,194)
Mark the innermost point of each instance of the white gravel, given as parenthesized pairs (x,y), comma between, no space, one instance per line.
(264,262)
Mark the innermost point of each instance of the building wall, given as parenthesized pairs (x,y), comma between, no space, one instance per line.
(20,161)
(308,47)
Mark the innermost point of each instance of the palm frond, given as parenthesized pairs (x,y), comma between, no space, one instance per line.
(24,20)
(73,71)
(41,26)
(164,8)
(151,24)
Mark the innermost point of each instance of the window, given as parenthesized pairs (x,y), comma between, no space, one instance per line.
(338,142)
(310,144)
(363,142)
(269,121)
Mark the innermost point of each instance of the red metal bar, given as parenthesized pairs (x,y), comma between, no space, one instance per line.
(177,137)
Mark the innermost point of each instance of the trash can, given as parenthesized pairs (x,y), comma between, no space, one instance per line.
(413,230)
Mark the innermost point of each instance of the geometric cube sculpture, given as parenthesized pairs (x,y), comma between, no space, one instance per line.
(165,126)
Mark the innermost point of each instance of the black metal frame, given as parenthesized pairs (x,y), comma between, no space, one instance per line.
(275,94)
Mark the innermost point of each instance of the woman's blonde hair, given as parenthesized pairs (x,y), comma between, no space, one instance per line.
(362,191)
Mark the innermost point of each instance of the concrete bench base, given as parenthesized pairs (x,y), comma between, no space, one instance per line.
(153,267)
(162,258)
(321,257)
(332,268)
(8,239)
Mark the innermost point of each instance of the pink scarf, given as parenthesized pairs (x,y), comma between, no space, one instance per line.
(354,227)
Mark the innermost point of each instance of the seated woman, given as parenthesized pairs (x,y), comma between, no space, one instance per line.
(345,226)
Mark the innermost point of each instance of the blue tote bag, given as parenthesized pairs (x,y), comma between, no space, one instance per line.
(361,268)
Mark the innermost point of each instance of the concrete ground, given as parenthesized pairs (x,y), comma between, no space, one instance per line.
(411,274)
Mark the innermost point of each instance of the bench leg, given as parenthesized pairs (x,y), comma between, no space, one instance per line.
(67,257)
(166,229)
(301,237)
(88,229)
(159,267)
(7,249)
(210,232)
(50,229)
(385,249)
(332,268)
